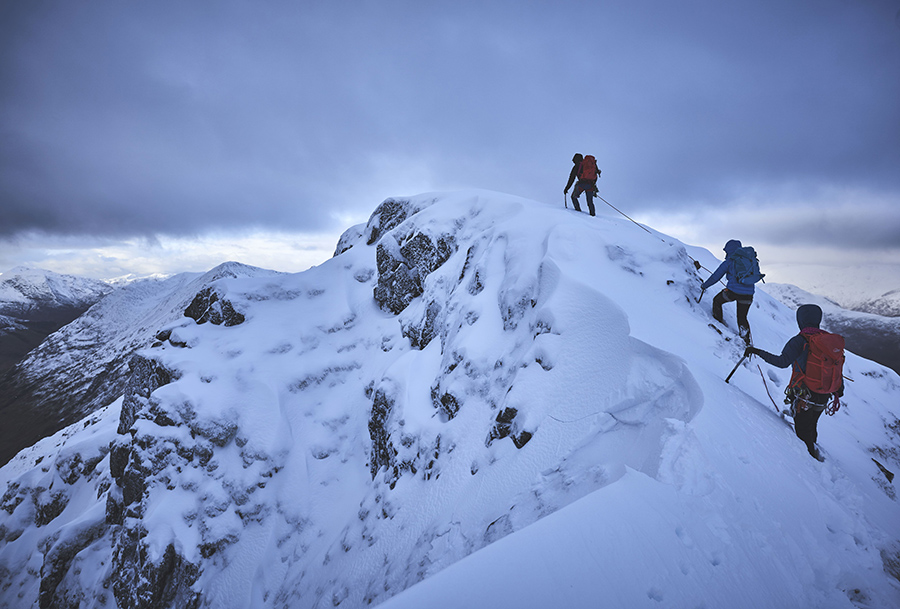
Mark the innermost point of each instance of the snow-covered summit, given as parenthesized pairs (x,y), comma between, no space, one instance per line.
(476,381)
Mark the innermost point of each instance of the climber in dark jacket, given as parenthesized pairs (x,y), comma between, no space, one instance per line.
(734,290)
(806,406)
(589,187)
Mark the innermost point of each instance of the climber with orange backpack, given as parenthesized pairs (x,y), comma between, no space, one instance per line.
(817,358)
(585,170)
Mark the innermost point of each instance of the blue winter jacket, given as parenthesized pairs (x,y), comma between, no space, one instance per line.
(727,267)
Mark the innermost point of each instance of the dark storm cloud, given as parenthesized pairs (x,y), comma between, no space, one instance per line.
(174,117)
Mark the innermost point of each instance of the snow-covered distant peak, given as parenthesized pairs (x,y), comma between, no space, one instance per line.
(237,269)
(871,288)
(29,287)
(793,297)
(124,280)
(887,305)
(225,269)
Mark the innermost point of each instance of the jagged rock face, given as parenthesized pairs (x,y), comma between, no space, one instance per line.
(404,260)
(136,459)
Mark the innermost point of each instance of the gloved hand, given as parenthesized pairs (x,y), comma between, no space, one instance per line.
(565,191)
(751,351)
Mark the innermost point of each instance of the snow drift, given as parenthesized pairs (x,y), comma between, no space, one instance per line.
(528,394)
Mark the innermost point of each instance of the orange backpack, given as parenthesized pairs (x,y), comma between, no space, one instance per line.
(588,168)
(824,362)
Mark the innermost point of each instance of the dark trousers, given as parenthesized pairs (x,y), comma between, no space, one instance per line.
(587,187)
(743,307)
(805,422)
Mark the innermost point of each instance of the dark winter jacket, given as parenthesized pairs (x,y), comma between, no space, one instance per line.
(727,267)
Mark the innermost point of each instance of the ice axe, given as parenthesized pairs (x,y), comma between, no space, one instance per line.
(702,292)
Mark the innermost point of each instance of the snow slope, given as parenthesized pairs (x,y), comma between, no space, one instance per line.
(482,400)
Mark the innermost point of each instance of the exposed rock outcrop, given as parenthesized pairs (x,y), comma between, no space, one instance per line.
(209,306)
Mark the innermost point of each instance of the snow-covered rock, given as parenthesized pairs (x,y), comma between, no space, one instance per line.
(529,396)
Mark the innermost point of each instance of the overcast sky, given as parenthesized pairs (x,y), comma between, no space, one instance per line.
(142,136)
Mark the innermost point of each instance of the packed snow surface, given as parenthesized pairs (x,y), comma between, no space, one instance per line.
(481,401)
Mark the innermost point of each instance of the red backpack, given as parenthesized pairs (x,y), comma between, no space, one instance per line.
(588,168)
(824,362)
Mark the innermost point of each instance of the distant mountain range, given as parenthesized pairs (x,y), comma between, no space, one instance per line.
(887,305)
(872,336)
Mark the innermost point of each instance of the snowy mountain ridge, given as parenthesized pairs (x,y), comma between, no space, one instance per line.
(474,388)
(25,288)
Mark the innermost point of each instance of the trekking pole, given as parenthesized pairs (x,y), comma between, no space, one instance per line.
(566,199)
(740,361)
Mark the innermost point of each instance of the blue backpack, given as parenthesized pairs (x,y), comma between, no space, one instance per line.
(745,265)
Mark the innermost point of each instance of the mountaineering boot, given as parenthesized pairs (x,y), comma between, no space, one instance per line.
(816,453)
(744,332)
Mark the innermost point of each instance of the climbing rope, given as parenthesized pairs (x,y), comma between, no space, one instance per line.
(766,385)
(624,214)
(697,264)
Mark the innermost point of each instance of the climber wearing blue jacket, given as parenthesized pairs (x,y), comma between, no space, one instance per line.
(734,290)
